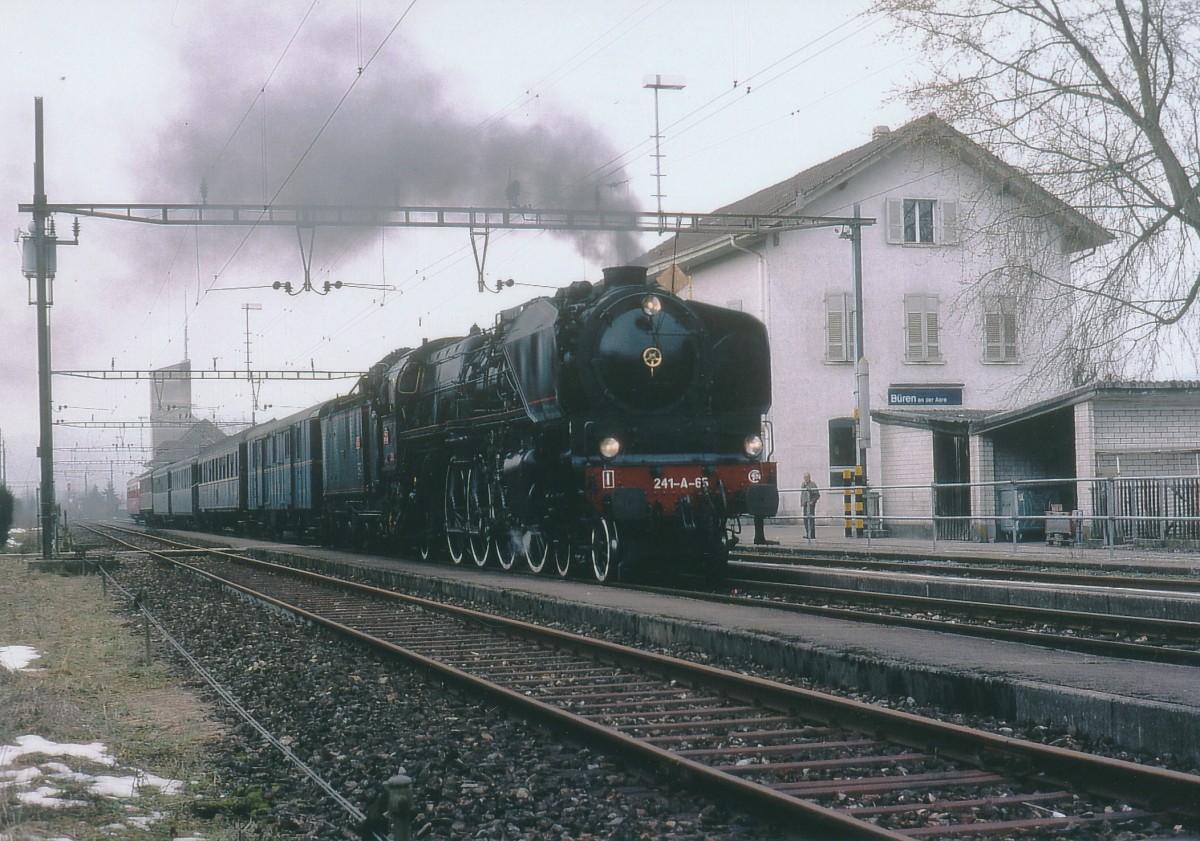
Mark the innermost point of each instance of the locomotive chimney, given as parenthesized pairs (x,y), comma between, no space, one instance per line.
(625,276)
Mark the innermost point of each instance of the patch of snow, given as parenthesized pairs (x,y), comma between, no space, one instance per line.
(36,744)
(146,821)
(13,657)
(19,780)
(132,785)
(19,777)
(47,796)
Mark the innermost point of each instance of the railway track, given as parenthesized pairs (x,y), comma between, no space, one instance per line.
(984,607)
(1128,576)
(974,603)
(836,767)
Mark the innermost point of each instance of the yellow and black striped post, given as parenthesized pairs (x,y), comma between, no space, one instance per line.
(854,509)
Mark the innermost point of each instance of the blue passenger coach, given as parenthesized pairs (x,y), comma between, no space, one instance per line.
(222,483)
(284,481)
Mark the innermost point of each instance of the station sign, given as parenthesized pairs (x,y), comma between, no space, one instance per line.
(925,395)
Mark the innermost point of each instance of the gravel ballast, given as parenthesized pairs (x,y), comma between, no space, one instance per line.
(357,720)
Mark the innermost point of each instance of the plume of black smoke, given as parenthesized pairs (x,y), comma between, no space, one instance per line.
(398,138)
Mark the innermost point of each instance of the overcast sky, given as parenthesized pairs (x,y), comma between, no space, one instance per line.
(264,102)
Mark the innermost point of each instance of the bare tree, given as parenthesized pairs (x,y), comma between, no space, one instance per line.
(1097,103)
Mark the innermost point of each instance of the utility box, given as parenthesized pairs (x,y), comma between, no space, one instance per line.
(1060,526)
(29,261)
(1015,505)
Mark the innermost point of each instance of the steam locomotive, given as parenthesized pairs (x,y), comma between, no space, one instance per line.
(613,427)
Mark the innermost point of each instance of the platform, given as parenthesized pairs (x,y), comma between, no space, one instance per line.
(830,540)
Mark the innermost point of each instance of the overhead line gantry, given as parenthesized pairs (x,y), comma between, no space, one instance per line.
(480,221)
(214,374)
(480,218)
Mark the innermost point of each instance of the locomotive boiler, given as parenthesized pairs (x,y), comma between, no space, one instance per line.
(613,426)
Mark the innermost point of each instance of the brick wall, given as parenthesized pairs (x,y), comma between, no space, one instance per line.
(907,456)
(1144,425)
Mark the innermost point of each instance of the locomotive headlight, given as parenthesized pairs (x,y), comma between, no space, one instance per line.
(651,305)
(609,448)
(753,446)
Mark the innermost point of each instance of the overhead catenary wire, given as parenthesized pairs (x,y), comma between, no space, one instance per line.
(260,98)
(312,143)
(564,68)
(211,168)
(704,109)
(756,79)
(696,117)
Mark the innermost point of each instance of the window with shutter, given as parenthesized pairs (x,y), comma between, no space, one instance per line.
(1010,335)
(895,220)
(835,336)
(922,332)
(916,332)
(1000,331)
(839,327)
(918,221)
(993,335)
(922,221)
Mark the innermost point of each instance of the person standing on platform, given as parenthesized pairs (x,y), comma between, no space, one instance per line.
(808,502)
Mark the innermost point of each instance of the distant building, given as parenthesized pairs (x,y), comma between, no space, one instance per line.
(175,432)
(170,406)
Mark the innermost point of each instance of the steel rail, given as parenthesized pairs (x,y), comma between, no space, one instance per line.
(978,611)
(1159,787)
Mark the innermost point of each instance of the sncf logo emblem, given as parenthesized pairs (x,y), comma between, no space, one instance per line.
(608,478)
(755,477)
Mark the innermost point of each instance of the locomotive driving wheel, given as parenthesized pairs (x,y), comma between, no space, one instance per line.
(479,516)
(506,549)
(425,534)
(604,548)
(456,511)
(537,550)
(505,538)
(561,547)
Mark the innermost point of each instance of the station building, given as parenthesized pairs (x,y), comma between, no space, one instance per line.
(962,272)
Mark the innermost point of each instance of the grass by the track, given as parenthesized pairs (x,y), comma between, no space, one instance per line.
(90,683)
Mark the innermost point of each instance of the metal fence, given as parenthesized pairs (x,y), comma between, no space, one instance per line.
(1109,511)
